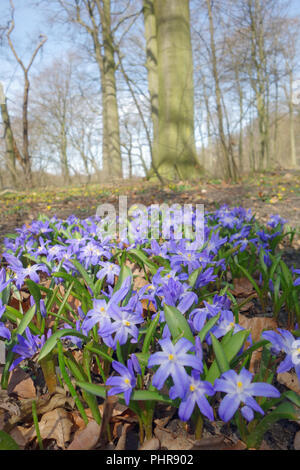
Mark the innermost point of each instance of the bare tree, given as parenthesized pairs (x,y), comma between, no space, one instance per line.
(25,156)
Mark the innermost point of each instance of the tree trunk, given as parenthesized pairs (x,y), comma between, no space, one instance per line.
(292,127)
(11,147)
(229,166)
(151,65)
(110,93)
(176,149)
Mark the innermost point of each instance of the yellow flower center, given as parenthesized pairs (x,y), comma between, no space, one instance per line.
(102,309)
(127,323)
(240,384)
(127,381)
(171,357)
(192,388)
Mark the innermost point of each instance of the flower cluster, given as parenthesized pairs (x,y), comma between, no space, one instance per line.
(169,326)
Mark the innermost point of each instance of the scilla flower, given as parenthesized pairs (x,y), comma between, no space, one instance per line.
(285,342)
(197,389)
(123,384)
(239,389)
(172,361)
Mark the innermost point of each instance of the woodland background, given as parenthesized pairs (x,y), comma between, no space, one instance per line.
(98,90)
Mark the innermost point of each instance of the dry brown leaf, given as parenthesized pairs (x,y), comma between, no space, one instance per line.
(297,441)
(19,435)
(290,380)
(242,287)
(122,441)
(21,384)
(150,444)
(209,443)
(256,325)
(44,404)
(239,445)
(170,441)
(56,424)
(9,404)
(87,438)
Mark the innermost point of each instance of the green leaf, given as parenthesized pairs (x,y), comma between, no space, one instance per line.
(283,411)
(250,278)
(70,278)
(293,397)
(150,333)
(143,358)
(140,255)
(52,341)
(97,349)
(194,276)
(84,274)
(14,315)
(248,352)
(221,359)
(34,291)
(7,442)
(231,346)
(137,395)
(177,323)
(286,273)
(26,320)
(208,326)
(124,273)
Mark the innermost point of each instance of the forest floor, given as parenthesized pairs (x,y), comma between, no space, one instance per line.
(265,195)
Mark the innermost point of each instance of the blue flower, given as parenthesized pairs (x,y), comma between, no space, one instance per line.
(239,389)
(285,342)
(110,270)
(197,389)
(123,384)
(27,348)
(172,361)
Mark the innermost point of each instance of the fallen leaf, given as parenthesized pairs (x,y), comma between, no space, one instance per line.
(209,443)
(297,441)
(239,445)
(56,424)
(44,404)
(242,287)
(169,441)
(21,384)
(290,380)
(87,438)
(256,325)
(122,441)
(19,435)
(150,444)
